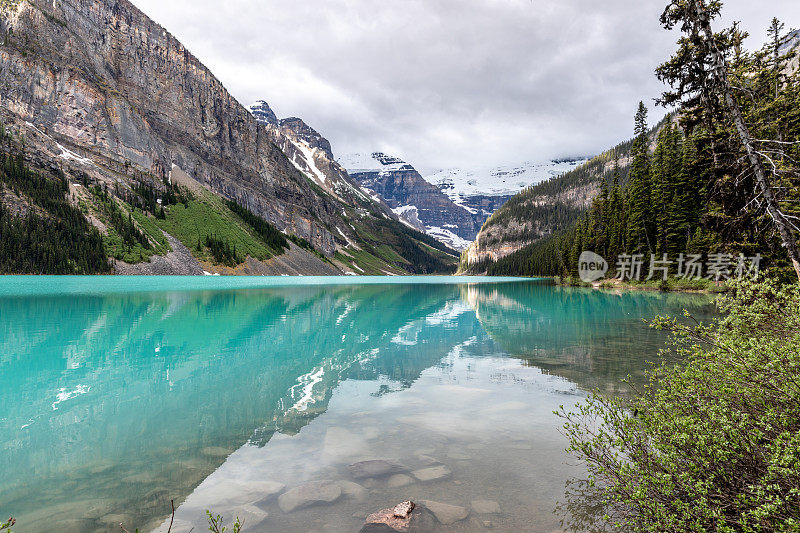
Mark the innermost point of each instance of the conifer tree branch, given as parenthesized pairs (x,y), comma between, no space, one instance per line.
(699,23)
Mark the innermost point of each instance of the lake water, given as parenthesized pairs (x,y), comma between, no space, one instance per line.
(120,394)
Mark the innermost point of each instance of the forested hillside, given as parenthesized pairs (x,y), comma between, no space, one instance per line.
(40,231)
(548,207)
(696,193)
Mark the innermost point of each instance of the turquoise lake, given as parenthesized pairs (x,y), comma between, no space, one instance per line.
(120,394)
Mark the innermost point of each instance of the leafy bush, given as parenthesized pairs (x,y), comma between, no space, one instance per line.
(710,445)
(7,525)
(216,523)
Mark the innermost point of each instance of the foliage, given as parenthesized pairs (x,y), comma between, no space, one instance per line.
(8,524)
(148,198)
(206,215)
(216,523)
(271,236)
(221,251)
(53,237)
(124,239)
(710,445)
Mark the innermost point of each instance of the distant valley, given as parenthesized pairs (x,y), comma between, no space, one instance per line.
(451,205)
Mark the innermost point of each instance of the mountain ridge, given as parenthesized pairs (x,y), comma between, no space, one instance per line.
(418,203)
(546,207)
(104,95)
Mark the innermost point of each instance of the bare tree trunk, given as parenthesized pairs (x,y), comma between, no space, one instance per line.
(720,74)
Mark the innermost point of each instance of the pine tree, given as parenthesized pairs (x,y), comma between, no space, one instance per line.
(615,214)
(700,70)
(661,186)
(640,215)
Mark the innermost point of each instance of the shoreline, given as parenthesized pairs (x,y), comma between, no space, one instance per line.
(701,286)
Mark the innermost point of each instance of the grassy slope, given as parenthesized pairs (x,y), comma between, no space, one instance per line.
(206,214)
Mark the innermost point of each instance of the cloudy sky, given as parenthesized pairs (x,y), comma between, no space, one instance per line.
(442,83)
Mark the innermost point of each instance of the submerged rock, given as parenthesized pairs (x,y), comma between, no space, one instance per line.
(375,468)
(432,473)
(399,480)
(308,494)
(353,490)
(445,513)
(405,517)
(485,507)
(427,459)
(248,514)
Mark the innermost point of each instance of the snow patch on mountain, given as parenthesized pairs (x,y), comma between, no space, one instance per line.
(459,183)
(309,165)
(447,237)
(372,162)
(409,215)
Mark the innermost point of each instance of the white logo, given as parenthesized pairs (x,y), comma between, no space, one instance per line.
(591,267)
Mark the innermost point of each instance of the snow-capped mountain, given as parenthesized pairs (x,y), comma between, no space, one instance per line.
(359,163)
(309,152)
(418,203)
(486,190)
(451,205)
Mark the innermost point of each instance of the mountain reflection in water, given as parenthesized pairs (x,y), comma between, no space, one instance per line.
(115,403)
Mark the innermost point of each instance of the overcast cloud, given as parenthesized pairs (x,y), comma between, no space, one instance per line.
(441,83)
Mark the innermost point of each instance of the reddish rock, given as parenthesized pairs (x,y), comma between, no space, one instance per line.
(405,517)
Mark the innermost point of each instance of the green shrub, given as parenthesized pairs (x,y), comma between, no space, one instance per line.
(7,525)
(216,523)
(710,445)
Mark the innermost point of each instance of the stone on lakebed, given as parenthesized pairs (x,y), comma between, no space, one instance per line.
(375,468)
(405,517)
(399,480)
(308,494)
(432,473)
(445,513)
(353,490)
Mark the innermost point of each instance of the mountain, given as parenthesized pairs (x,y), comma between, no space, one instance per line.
(97,94)
(311,154)
(485,191)
(417,202)
(450,204)
(547,207)
(791,43)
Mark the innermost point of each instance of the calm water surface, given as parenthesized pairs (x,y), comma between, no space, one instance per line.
(119,394)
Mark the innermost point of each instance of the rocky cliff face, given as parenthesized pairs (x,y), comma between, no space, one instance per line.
(98,88)
(105,79)
(414,199)
(311,154)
